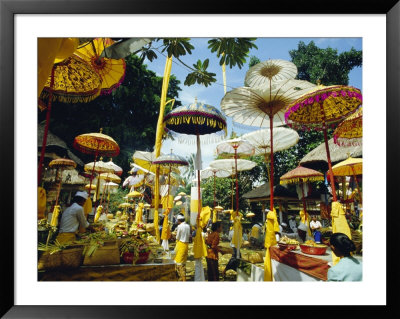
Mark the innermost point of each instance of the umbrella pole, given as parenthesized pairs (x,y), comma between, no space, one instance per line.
(304,200)
(271,180)
(91,175)
(237,185)
(328,154)
(59,186)
(232,191)
(358,187)
(198,196)
(214,189)
(46,128)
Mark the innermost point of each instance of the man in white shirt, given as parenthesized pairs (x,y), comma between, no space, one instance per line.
(182,246)
(73,219)
(293,224)
(316,226)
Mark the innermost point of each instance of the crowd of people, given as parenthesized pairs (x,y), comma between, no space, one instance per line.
(73,220)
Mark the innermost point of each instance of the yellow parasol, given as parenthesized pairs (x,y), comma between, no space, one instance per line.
(349,132)
(134,194)
(349,167)
(322,106)
(111,71)
(70,81)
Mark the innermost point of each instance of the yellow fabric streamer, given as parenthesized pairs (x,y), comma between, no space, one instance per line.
(41,202)
(205,216)
(166,230)
(270,240)
(98,213)
(199,246)
(237,238)
(159,134)
(305,219)
(139,213)
(87,207)
(224,76)
(339,225)
(167,203)
(54,217)
(214,216)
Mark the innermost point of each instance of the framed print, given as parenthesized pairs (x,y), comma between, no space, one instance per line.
(23,22)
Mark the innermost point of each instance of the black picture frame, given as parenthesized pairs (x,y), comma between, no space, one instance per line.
(8,10)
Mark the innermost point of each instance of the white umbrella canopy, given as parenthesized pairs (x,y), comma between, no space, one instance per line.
(210,172)
(283,139)
(238,146)
(271,70)
(254,106)
(110,177)
(117,170)
(99,167)
(229,164)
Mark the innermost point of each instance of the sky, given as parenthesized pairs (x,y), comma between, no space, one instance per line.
(268,48)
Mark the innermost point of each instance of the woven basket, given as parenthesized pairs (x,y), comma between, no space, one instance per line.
(67,258)
(106,255)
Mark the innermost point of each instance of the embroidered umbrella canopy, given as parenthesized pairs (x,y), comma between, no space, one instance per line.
(111,71)
(197,123)
(96,144)
(259,106)
(70,81)
(301,175)
(235,146)
(214,172)
(349,132)
(322,106)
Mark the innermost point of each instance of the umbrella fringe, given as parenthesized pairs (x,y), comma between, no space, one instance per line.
(75,98)
(342,141)
(203,119)
(303,179)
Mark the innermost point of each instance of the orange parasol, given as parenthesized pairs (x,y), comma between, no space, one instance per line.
(301,175)
(111,71)
(96,144)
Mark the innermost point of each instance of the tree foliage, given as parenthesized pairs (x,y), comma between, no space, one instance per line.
(326,65)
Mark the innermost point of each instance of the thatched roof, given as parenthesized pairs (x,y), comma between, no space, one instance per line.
(54,141)
(338,153)
(263,191)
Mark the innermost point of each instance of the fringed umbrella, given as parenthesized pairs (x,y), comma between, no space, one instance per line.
(349,132)
(198,123)
(96,144)
(301,175)
(111,71)
(349,167)
(70,81)
(320,107)
(117,169)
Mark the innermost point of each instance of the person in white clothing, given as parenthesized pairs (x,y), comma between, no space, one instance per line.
(293,224)
(73,219)
(316,226)
(182,246)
